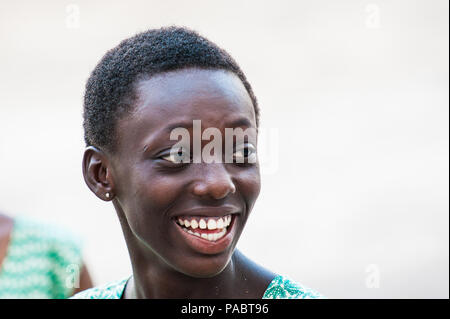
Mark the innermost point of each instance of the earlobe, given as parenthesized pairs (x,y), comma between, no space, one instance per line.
(96,173)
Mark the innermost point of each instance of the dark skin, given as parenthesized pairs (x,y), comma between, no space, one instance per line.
(149,192)
(6,228)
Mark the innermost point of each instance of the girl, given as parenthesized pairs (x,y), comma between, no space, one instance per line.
(181,216)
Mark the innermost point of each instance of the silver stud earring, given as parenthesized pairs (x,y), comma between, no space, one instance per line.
(108,195)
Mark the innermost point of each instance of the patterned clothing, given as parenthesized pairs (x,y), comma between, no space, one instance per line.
(281,287)
(41,262)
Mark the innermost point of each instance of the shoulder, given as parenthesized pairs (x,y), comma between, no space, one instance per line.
(282,287)
(112,290)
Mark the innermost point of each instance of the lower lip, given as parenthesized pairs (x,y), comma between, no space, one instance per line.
(205,246)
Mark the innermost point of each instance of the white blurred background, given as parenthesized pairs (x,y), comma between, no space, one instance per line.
(355,201)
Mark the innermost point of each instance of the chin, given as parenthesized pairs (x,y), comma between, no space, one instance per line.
(208,267)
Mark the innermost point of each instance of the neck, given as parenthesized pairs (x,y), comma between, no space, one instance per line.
(151,280)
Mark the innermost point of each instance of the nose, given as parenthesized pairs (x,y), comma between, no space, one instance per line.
(214,181)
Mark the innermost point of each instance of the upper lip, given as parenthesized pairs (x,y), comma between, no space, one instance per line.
(209,211)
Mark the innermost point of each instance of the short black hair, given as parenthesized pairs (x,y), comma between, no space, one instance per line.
(110,89)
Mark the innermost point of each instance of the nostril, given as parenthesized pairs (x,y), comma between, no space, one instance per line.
(222,190)
(214,189)
(222,193)
(213,180)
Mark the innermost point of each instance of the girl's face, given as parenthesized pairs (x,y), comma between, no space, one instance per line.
(154,192)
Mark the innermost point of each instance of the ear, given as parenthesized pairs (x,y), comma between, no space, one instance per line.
(97,173)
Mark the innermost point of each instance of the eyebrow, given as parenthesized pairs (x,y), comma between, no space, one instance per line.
(242,121)
(186,124)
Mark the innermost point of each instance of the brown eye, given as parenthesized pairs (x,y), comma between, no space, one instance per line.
(177,156)
(245,154)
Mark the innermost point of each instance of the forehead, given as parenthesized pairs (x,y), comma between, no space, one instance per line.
(215,97)
(194,93)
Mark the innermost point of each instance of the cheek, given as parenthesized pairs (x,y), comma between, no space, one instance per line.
(160,191)
(156,194)
(145,197)
(249,185)
(146,212)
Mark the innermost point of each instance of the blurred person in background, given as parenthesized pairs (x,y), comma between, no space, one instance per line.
(39,261)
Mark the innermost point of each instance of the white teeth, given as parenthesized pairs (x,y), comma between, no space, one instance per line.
(221,234)
(212,224)
(210,237)
(194,224)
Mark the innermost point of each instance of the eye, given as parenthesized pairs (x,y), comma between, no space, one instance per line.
(177,156)
(245,154)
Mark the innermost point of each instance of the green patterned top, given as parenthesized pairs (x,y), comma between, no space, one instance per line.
(41,262)
(281,287)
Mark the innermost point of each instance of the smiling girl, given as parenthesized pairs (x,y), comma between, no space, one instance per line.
(181,218)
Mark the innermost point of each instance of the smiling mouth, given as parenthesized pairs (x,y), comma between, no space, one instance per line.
(211,229)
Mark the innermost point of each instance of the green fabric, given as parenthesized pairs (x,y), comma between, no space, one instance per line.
(112,290)
(40,262)
(281,287)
